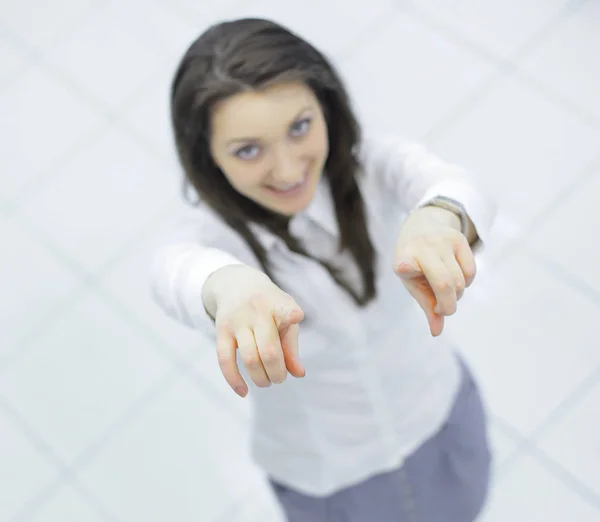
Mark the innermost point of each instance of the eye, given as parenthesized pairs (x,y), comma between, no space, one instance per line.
(300,127)
(247,152)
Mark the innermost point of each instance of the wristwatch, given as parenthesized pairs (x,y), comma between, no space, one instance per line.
(453,206)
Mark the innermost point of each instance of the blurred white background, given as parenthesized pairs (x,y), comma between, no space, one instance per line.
(109,412)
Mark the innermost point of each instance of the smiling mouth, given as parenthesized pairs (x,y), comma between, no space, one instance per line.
(285,190)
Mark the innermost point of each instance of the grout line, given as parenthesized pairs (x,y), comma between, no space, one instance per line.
(41,179)
(538,220)
(120,424)
(571,482)
(446,30)
(566,477)
(585,115)
(68,471)
(42,447)
(82,283)
(573,280)
(46,493)
(28,58)
(107,115)
(566,406)
(378,25)
(93,284)
(25,343)
(505,67)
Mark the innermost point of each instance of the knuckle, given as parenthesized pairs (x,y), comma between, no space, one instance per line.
(223,325)
(421,242)
(459,285)
(270,356)
(252,361)
(443,286)
(258,302)
(224,359)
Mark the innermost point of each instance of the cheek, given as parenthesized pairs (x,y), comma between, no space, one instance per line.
(319,143)
(243,177)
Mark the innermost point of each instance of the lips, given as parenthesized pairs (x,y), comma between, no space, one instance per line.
(287,189)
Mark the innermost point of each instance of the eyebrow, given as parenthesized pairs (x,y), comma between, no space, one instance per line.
(246,139)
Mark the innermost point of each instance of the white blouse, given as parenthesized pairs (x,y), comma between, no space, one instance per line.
(377,384)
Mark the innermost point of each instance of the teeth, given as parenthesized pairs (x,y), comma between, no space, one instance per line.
(288,187)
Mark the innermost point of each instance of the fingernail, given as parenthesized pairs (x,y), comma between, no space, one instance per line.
(242,391)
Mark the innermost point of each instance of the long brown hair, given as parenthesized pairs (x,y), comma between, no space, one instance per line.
(251,54)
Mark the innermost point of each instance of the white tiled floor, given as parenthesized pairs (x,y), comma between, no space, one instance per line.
(100,393)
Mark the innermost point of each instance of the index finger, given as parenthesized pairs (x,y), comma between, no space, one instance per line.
(441,283)
(466,260)
(226,355)
(268,343)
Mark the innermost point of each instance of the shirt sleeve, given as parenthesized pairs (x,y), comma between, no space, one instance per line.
(414,177)
(194,247)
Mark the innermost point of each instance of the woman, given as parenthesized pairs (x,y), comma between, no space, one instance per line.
(293,262)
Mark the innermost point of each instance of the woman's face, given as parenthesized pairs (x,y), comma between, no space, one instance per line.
(272,145)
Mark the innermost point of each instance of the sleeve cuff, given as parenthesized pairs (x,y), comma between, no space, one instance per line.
(194,271)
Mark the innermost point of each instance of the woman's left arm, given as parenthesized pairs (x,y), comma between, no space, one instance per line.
(415,177)
(447,220)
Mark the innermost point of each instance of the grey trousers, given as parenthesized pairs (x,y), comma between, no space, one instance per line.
(445,480)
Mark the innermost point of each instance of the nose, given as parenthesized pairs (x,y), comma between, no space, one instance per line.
(287,167)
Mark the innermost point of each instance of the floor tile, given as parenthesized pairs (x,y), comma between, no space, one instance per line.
(314,20)
(150,116)
(182,452)
(14,61)
(503,445)
(569,235)
(567,62)
(212,12)
(207,370)
(37,109)
(574,442)
(105,59)
(23,471)
(500,27)
(530,493)
(34,285)
(530,339)
(158,24)
(86,371)
(259,505)
(39,23)
(129,280)
(521,148)
(99,202)
(67,506)
(414,90)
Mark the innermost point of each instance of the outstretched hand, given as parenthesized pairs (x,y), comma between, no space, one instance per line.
(435,262)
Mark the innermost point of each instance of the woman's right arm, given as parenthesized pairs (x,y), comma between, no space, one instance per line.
(221,294)
(181,274)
